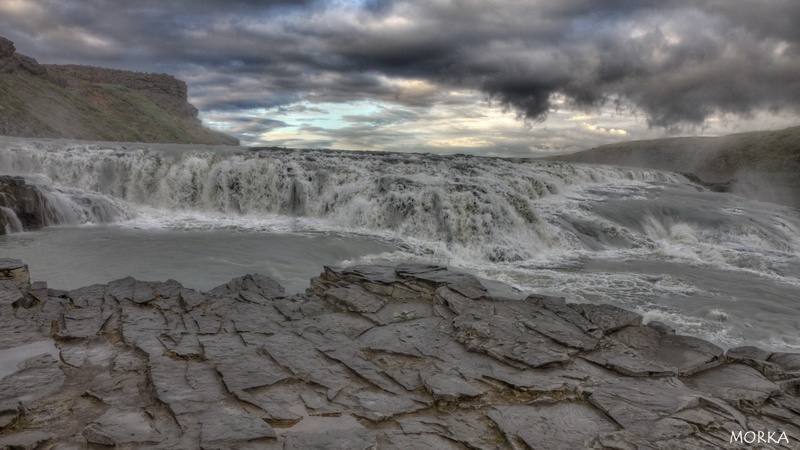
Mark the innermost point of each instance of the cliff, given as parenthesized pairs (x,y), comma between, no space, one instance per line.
(762,165)
(92,103)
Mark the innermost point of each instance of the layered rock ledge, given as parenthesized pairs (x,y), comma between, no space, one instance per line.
(399,357)
(22,206)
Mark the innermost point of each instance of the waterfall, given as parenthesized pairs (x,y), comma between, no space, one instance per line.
(487,208)
(12,222)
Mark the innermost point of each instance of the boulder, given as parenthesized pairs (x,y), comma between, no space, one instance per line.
(14,270)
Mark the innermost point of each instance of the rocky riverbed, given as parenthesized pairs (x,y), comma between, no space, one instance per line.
(399,357)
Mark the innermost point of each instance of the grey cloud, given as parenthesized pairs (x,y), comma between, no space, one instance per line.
(676,62)
(245,125)
(384,117)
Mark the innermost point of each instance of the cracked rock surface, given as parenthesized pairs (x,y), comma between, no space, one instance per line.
(404,357)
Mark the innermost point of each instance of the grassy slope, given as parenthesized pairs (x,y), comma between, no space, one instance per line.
(765,164)
(34,107)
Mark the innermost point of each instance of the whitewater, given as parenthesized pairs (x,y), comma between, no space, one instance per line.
(712,265)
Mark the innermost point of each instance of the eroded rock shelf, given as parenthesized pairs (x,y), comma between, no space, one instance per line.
(399,357)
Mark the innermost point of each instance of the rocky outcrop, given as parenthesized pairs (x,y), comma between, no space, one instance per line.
(94,103)
(12,62)
(412,356)
(165,91)
(22,206)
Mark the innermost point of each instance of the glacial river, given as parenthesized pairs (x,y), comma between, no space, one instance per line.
(711,265)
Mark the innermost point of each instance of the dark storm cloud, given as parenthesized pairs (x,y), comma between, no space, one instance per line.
(384,117)
(254,125)
(675,62)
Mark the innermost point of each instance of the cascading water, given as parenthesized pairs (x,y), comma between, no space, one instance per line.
(635,237)
(12,222)
(461,203)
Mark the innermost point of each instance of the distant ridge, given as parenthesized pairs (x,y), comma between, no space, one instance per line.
(764,165)
(94,103)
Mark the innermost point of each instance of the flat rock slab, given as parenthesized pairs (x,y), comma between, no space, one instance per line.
(644,351)
(640,405)
(37,378)
(509,340)
(450,387)
(26,440)
(15,271)
(123,426)
(546,426)
(737,384)
(436,276)
(608,318)
(355,298)
(335,440)
(406,357)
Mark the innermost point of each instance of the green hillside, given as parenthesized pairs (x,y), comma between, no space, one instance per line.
(94,103)
(35,107)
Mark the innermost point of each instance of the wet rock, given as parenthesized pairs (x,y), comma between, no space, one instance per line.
(450,387)
(26,202)
(191,298)
(401,441)
(10,412)
(547,323)
(84,323)
(229,428)
(469,428)
(376,406)
(186,386)
(644,351)
(757,359)
(38,292)
(336,440)
(87,296)
(645,407)
(122,289)
(354,298)
(26,440)
(260,284)
(95,435)
(510,341)
(748,353)
(36,378)
(433,277)
(607,317)
(545,426)
(371,357)
(737,384)
(142,293)
(121,426)
(362,275)
(15,271)
(558,306)
(241,367)
(10,295)
(343,349)
(790,362)
(302,359)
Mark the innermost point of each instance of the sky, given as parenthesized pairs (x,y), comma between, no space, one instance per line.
(499,78)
